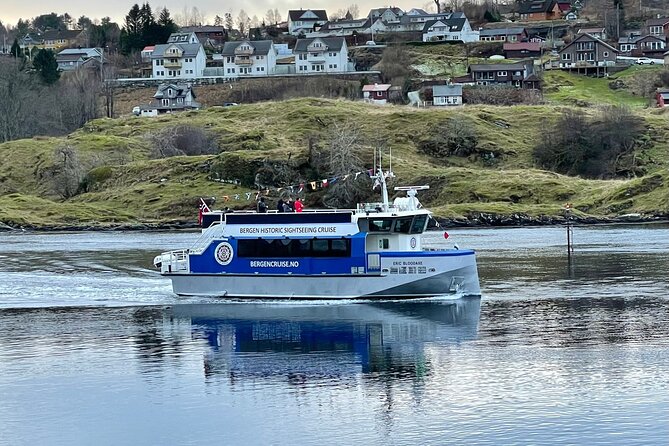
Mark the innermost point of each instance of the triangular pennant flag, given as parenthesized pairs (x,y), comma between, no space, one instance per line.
(226,198)
(345,177)
(301,188)
(325,182)
(236,196)
(313,185)
(357,174)
(248,195)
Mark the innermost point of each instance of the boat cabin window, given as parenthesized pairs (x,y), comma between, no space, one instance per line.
(399,225)
(403,225)
(265,248)
(380,224)
(418,225)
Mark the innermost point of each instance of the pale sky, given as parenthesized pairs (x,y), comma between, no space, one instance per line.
(12,10)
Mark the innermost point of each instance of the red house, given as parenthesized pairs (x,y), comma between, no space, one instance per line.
(377,93)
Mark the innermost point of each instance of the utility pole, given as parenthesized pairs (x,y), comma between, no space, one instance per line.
(618,19)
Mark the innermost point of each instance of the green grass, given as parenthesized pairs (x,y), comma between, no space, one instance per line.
(562,87)
(126,186)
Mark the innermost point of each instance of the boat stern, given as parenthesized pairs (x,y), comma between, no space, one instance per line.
(172,262)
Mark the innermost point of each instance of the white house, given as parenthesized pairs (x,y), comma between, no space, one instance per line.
(304,21)
(182,57)
(447,95)
(249,58)
(321,54)
(170,98)
(452,29)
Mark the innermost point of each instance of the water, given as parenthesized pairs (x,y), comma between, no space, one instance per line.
(95,349)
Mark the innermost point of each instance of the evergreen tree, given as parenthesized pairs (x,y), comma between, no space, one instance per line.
(146,19)
(16,49)
(131,34)
(46,65)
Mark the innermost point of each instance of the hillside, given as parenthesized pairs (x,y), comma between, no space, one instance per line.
(123,185)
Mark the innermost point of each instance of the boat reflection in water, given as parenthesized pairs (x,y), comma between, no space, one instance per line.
(326,341)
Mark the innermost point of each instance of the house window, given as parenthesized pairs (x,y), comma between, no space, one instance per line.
(169,92)
(165,102)
(229,59)
(606,54)
(501,73)
(591,57)
(656,30)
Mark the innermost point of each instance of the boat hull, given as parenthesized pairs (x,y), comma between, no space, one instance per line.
(458,280)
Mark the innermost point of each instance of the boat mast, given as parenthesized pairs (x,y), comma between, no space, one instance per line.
(381,178)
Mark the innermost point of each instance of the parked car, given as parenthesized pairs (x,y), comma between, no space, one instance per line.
(230,104)
(370,43)
(645,60)
(135,110)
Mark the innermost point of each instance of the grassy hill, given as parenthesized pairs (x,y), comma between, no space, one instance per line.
(126,186)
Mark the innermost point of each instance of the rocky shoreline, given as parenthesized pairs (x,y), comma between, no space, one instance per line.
(473,220)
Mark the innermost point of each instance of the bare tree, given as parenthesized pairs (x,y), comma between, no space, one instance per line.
(354,10)
(17,94)
(78,99)
(243,22)
(342,157)
(67,171)
(436,2)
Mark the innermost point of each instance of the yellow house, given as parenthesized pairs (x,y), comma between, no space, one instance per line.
(57,39)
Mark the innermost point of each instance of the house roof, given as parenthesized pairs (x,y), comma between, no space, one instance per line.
(591,30)
(333,43)
(585,36)
(149,48)
(189,49)
(657,22)
(259,47)
(83,52)
(380,11)
(453,24)
(204,29)
(564,6)
(320,14)
(534,6)
(447,90)
(69,57)
(497,66)
(181,37)
(57,34)
(518,46)
(179,90)
(501,31)
(376,87)
(417,11)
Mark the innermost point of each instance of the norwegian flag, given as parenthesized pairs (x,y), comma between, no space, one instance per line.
(202,209)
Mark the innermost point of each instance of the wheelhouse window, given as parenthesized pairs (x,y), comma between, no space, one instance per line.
(380,224)
(403,225)
(418,225)
(278,248)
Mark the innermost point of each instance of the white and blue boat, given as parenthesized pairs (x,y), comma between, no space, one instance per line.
(372,252)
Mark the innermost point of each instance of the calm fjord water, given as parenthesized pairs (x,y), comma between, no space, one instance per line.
(95,349)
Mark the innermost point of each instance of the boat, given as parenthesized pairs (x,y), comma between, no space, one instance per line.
(372,252)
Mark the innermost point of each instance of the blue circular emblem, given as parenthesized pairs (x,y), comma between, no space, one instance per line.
(224,253)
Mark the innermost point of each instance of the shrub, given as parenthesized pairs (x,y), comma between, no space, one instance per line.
(600,147)
(455,136)
(181,140)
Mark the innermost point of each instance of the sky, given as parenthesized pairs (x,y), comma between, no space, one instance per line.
(12,10)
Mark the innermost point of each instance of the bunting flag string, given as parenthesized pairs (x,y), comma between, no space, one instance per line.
(301,187)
